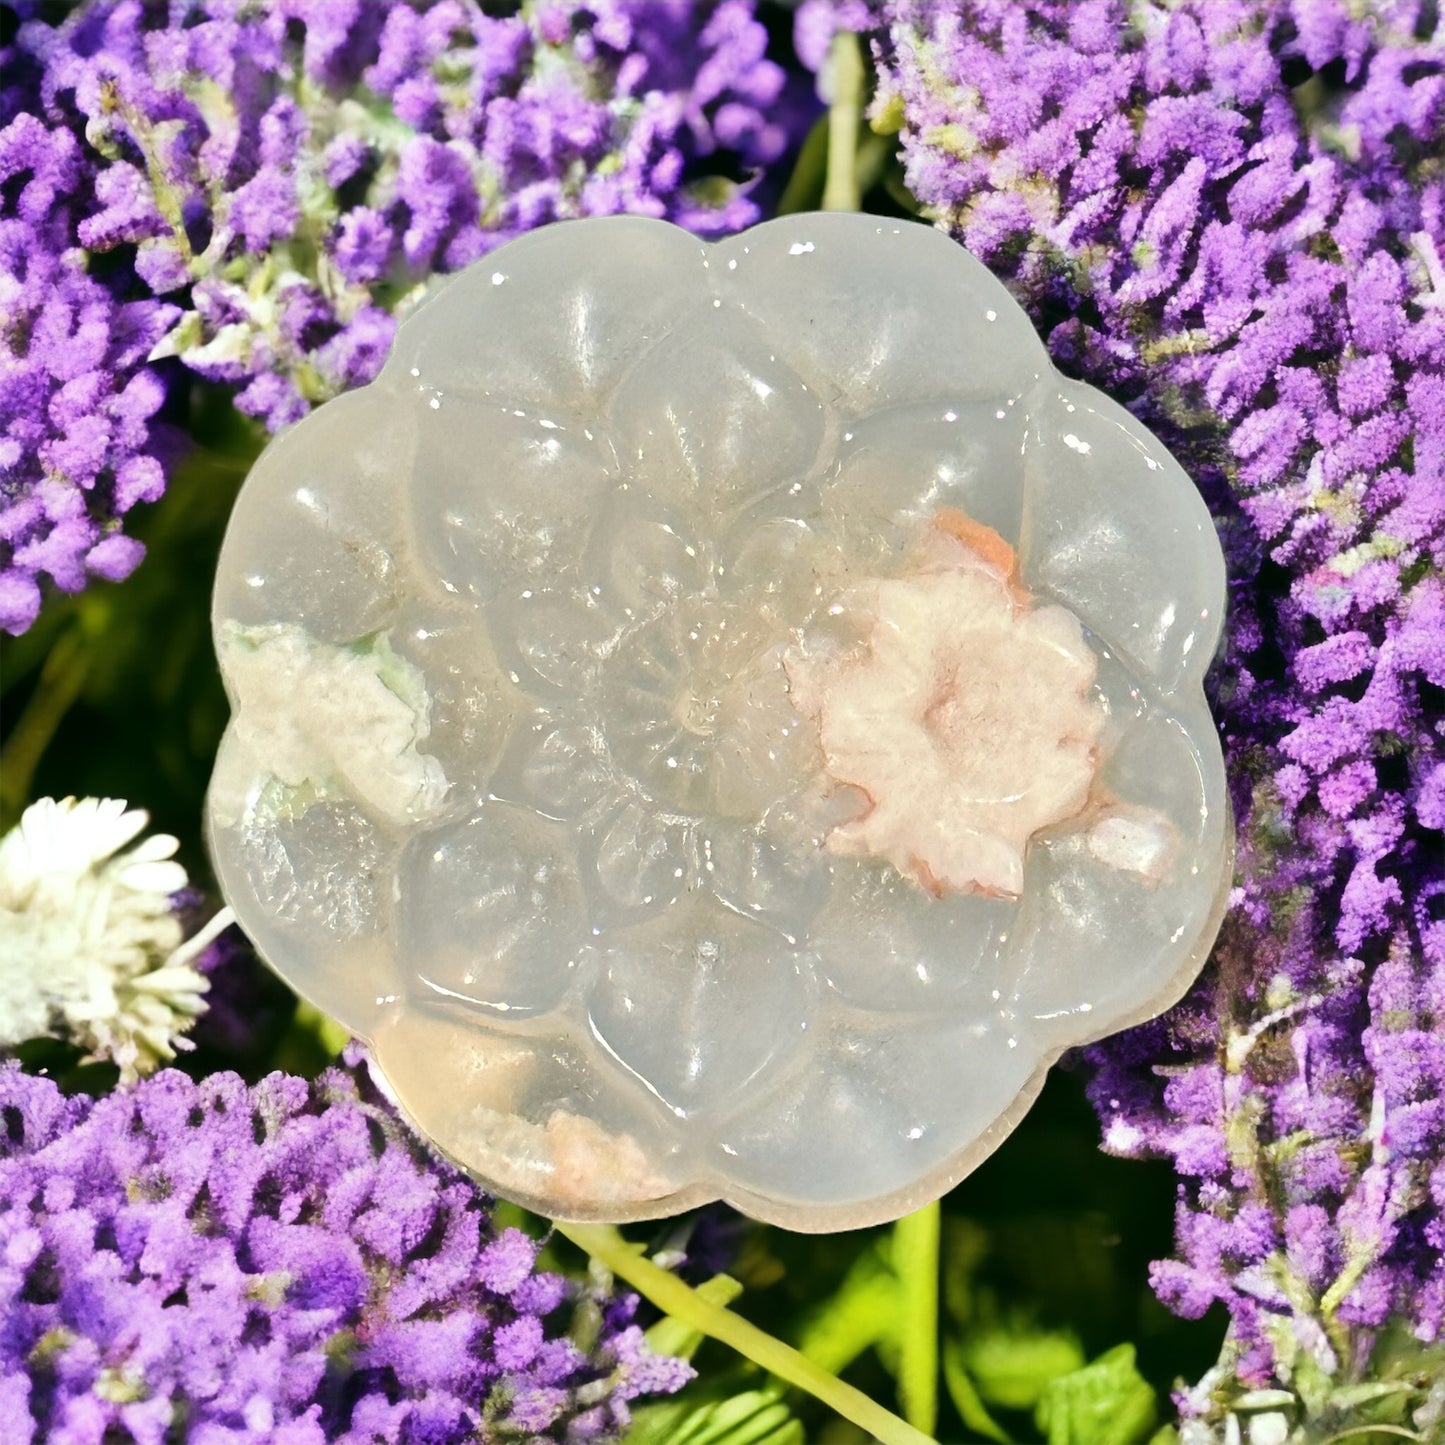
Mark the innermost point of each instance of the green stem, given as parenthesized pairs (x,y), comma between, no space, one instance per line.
(915,1261)
(845,79)
(1399,1431)
(804,190)
(62,676)
(1346,1280)
(167,198)
(607,1246)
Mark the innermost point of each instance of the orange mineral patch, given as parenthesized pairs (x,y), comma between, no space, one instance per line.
(983,540)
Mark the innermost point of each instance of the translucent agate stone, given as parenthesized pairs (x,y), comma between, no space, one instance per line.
(719,720)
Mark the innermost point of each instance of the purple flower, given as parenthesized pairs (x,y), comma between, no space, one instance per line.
(166,149)
(278,1263)
(818,21)
(77,399)
(1225,211)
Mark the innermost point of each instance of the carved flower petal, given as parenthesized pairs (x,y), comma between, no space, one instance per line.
(645,556)
(857,1129)
(637,862)
(555,765)
(491,910)
(647,681)
(779,562)
(712,410)
(774,871)
(854,302)
(1116,531)
(474,705)
(698,1013)
(879,951)
(514,506)
(315,539)
(1114,921)
(900,467)
(311,877)
(711,725)
(554,640)
(573,307)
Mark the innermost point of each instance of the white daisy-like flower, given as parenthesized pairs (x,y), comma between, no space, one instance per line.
(91,949)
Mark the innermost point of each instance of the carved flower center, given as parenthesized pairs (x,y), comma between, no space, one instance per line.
(697,713)
(711,722)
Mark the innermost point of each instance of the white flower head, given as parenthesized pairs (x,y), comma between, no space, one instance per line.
(89,941)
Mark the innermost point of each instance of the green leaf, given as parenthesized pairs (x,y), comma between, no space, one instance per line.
(332,1036)
(1311,1383)
(965,1397)
(965,1247)
(1107,1402)
(310,1042)
(862,1313)
(755,1417)
(804,190)
(1013,1364)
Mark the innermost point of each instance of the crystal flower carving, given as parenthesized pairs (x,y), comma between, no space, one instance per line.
(708,784)
(720,719)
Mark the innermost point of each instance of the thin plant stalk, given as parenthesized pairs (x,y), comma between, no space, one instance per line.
(62,678)
(916,1263)
(607,1246)
(845,78)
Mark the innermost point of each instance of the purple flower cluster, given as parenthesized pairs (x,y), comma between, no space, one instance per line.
(257,190)
(1231,214)
(77,399)
(279,1264)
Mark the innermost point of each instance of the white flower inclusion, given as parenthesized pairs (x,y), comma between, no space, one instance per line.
(92,948)
(963,719)
(967,722)
(334,717)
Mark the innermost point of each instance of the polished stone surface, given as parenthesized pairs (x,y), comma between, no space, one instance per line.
(720,719)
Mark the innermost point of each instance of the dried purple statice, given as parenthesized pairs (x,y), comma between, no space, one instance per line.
(287,177)
(1231,214)
(280,1263)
